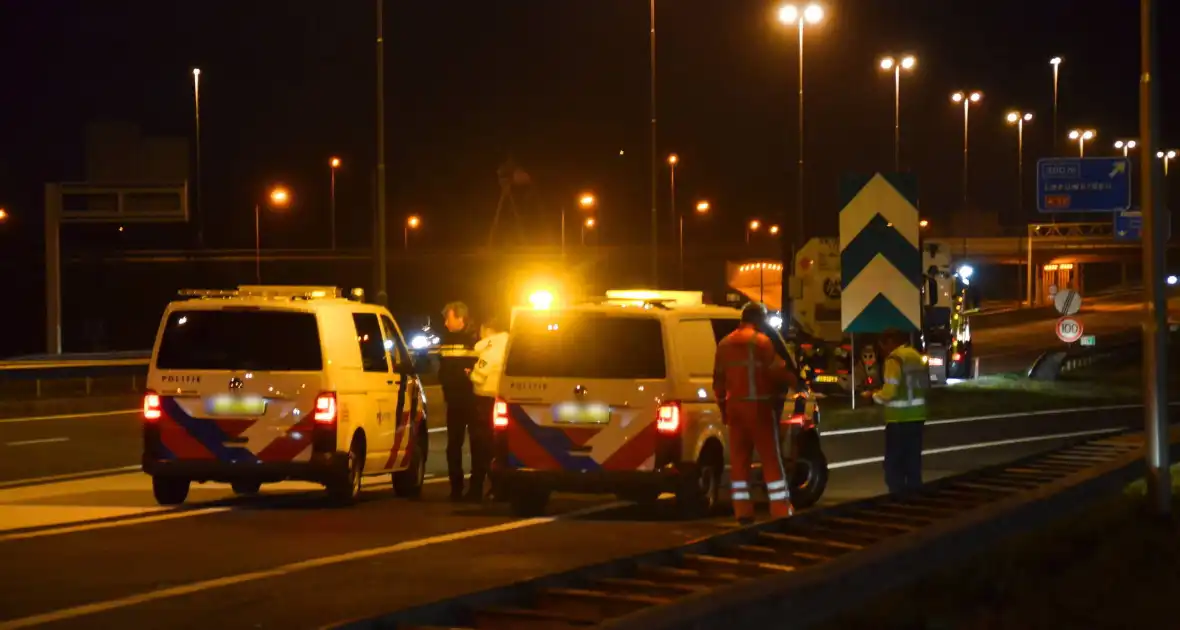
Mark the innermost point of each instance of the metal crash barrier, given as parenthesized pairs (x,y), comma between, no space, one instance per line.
(809,569)
(73,375)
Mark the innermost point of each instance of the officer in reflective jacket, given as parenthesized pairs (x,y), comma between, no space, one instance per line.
(749,379)
(903,397)
(457,357)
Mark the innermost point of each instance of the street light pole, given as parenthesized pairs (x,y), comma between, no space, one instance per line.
(655,217)
(1155,342)
(1082,136)
(673,160)
(887,64)
(1018,119)
(257,244)
(382,296)
(333,164)
(1056,63)
(197,184)
(966,99)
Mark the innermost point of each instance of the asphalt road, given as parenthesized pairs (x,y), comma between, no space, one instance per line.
(1014,348)
(97,552)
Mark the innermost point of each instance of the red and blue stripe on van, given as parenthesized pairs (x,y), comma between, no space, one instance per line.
(527,444)
(176,435)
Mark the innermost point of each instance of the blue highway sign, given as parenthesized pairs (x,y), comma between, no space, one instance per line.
(1128,226)
(1100,184)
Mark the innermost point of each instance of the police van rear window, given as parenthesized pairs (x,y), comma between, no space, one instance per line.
(278,341)
(585,345)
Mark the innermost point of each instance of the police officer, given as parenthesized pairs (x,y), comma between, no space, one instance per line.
(485,376)
(456,359)
(903,396)
(748,379)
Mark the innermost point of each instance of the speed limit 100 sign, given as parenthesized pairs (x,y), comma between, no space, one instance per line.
(1069,329)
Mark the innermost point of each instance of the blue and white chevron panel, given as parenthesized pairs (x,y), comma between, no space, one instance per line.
(880,256)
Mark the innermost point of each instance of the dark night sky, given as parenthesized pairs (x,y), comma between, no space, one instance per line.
(562,85)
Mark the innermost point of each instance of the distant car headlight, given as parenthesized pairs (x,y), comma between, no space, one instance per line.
(419,342)
(775,322)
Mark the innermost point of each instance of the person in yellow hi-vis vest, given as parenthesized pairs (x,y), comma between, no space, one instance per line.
(903,397)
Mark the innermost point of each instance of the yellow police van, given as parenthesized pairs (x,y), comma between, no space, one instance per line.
(615,396)
(269,383)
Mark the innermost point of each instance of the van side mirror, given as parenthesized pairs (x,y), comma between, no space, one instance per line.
(406,367)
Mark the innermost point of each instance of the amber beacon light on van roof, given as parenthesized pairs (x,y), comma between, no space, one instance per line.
(288,292)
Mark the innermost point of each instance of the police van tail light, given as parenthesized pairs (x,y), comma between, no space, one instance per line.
(151,407)
(668,418)
(325,408)
(500,415)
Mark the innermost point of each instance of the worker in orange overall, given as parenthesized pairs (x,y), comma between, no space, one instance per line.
(749,380)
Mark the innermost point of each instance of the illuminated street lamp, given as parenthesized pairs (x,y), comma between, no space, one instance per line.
(673,160)
(1166,156)
(197,134)
(278,198)
(3,215)
(1081,136)
(413,222)
(793,15)
(588,224)
(773,229)
(1018,119)
(751,227)
(586,201)
(702,207)
(1056,63)
(923,224)
(967,99)
(333,164)
(889,64)
(1125,146)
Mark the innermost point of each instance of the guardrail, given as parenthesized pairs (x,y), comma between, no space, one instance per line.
(48,376)
(805,570)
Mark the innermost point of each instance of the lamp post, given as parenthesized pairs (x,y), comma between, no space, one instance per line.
(655,217)
(753,226)
(1056,63)
(279,197)
(379,259)
(702,208)
(673,160)
(413,222)
(1125,146)
(792,15)
(333,164)
(197,132)
(1166,156)
(896,66)
(588,224)
(1018,119)
(967,99)
(1081,136)
(586,201)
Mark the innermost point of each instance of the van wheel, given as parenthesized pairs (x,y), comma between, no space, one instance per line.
(170,490)
(699,492)
(408,483)
(246,487)
(528,503)
(809,475)
(346,487)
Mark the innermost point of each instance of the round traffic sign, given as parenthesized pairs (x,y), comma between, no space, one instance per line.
(1052,290)
(1067,302)
(1069,329)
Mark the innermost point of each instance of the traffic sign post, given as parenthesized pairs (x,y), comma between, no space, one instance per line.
(1101,184)
(1069,329)
(1067,302)
(1128,226)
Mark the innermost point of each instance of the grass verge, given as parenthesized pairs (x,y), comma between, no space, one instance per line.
(1111,566)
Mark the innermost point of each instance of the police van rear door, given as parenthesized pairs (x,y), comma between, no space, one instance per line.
(580,388)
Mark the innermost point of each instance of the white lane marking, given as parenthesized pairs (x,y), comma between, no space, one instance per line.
(67,476)
(287,569)
(968,447)
(72,416)
(998,416)
(40,441)
(86,527)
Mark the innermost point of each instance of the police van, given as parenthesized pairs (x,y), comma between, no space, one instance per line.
(615,396)
(270,383)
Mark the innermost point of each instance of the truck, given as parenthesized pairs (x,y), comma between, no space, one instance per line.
(814,323)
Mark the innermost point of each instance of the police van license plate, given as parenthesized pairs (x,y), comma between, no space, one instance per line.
(827,378)
(581,413)
(236,405)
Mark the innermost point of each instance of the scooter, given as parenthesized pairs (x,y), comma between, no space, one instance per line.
(803,456)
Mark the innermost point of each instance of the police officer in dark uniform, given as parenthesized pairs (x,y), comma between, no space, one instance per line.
(456,358)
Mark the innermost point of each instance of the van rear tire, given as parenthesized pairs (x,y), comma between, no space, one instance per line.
(699,493)
(346,487)
(170,490)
